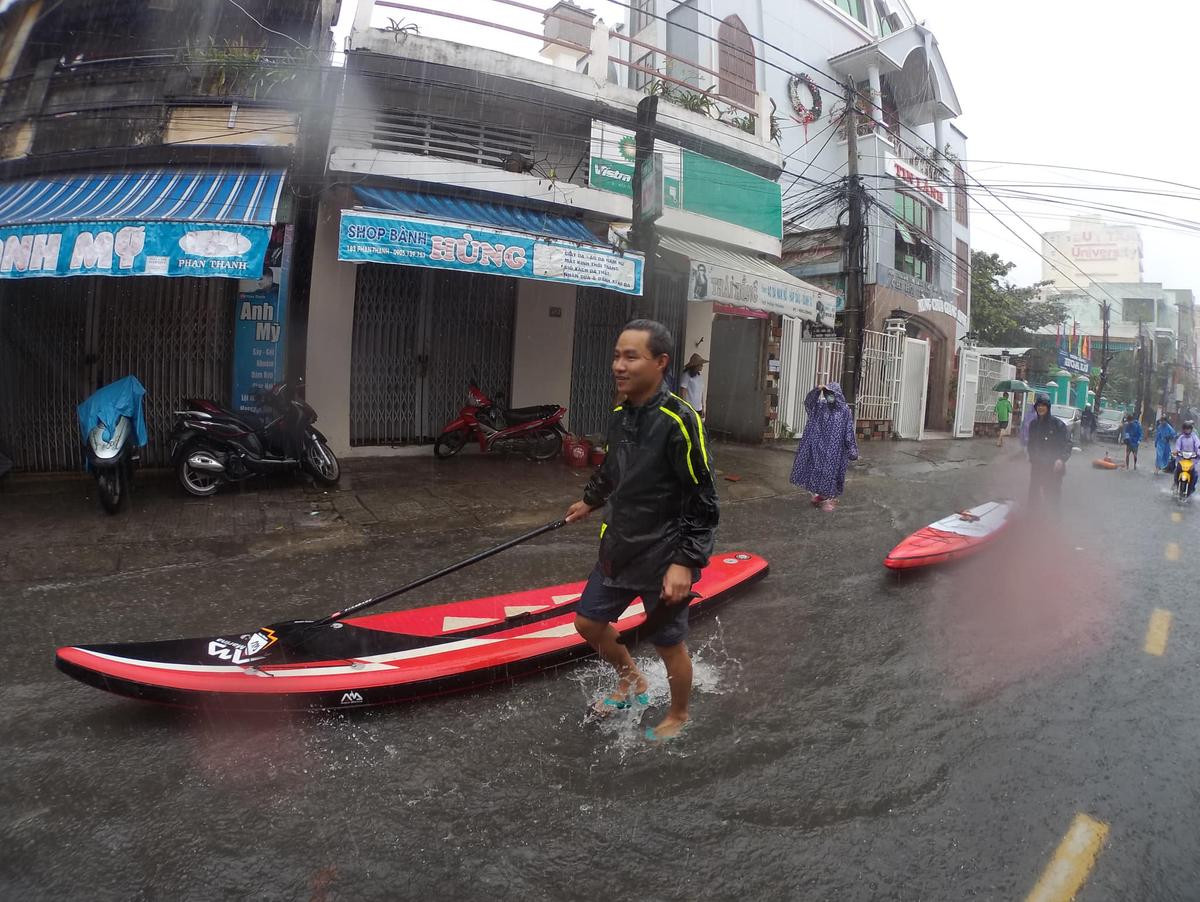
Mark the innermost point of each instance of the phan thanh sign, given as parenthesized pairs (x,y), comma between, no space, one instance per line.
(132,248)
(437,244)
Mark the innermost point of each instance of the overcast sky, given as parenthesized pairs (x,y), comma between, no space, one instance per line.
(1070,83)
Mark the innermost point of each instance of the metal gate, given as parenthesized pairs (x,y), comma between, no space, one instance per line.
(734,407)
(60,339)
(599,316)
(804,364)
(914,384)
(420,335)
(968,390)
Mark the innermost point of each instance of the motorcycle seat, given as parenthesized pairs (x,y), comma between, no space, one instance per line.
(528,414)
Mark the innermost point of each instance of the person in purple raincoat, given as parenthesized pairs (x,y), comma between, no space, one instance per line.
(826,447)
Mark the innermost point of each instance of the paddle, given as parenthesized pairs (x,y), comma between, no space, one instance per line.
(293,633)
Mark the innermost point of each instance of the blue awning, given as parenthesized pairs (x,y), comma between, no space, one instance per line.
(475,212)
(249,196)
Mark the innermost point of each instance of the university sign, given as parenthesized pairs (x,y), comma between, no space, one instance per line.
(1073,363)
(437,244)
(133,248)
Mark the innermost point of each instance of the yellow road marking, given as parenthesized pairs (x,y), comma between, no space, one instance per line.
(1172,551)
(1072,862)
(1176,517)
(1156,633)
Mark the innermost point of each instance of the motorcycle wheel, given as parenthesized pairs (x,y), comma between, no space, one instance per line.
(545,444)
(200,483)
(449,443)
(110,488)
(321,463)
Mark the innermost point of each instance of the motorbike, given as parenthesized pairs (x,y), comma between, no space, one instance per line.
(111,438)
(537,432)
(1185,475)
(212,445)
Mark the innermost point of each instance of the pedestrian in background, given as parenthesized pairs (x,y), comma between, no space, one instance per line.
(1164,434)
(1088,421)
(1131,435)
(1049,450)
(826,447)
(691,386)
(1003,414)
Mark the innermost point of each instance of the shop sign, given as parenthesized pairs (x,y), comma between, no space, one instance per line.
(617,178)
(1073,363)
(712,282)
(381,238)
(259,337)
(948,308)
(131,248)
(909,174)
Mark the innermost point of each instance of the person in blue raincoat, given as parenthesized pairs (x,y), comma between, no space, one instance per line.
(826,447)
(1164,435)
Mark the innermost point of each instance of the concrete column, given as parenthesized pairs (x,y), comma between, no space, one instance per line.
(330,330)
(362,16)
(876,95)
(763,127)
(598,60)
(939,136)
(543,344)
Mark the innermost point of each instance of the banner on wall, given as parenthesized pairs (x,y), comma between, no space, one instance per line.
(260,330)
(383,238)
(133,248)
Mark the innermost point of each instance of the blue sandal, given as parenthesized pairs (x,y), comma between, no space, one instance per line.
(620,704)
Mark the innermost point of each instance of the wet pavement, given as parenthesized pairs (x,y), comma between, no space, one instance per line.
(855,736)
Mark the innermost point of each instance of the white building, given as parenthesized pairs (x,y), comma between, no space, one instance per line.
(918,231)
(1092,250)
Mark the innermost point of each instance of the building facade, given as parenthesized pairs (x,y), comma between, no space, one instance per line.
(149,217)
(1094,250)
(909,153)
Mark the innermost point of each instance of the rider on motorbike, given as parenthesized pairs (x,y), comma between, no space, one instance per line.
(1188,442)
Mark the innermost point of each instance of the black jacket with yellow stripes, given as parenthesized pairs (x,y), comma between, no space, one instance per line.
(657,482)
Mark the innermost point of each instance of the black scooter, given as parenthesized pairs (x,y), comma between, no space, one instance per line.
(211,444)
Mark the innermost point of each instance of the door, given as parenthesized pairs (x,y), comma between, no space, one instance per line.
(914,383)
(599,316)
(735,406)
(61,339)
(419,337)
(968,391)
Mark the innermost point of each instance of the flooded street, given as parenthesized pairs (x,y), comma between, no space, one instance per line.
(855,735)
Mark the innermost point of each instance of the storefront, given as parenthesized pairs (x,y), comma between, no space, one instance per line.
(169,275)
(735,302)
(445,290)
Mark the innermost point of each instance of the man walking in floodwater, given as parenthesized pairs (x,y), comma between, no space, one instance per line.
(1049,449)
(658,529)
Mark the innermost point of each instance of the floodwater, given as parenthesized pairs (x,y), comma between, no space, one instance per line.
(855,736)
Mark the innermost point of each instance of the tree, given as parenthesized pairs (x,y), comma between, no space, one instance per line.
(1004,314)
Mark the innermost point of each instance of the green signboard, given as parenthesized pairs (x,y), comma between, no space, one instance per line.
(724,192)
(609,175)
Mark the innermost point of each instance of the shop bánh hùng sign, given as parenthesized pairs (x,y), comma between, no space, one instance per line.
(410,241)
(134,248)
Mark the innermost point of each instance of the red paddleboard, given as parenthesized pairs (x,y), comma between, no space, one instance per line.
(1106,463)
(952,537)
(378,658)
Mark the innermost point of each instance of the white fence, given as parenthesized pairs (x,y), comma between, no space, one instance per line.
(991,371)
(806,363)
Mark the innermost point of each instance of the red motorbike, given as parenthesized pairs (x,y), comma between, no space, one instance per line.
(536,432)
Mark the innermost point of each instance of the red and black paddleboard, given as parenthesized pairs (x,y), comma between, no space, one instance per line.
(953,537)
(375,659)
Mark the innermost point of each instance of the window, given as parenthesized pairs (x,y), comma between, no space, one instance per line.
(639,15)
(735,54)
(918,263)
(855,8)
(962,273)
(889,22)
(960,195)
(639,79)
(683,43)
(915,213)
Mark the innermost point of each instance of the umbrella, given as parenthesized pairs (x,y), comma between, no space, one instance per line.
(1013,385)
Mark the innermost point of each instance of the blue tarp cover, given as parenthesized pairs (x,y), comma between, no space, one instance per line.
(106,406)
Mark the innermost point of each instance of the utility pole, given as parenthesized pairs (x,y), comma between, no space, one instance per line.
(647,186)
(1105,309)
(852,318)
(1140,380)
